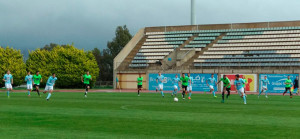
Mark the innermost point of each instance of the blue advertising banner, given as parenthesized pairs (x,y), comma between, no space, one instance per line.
(276,82)
(199,81)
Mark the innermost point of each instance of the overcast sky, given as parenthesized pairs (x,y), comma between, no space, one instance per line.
(29,24)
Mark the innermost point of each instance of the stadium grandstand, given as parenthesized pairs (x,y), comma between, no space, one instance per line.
(249,48)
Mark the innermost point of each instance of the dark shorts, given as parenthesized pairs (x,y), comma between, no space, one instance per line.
(185,87)
(287,88)
(227,89)
(86,85)
(35,85)
(139,86)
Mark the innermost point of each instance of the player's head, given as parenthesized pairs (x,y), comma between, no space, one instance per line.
(176,76)
(237,76)
(159,73)
(140,75)
(224,76)
(288,76)
(183,75)
(8,72)
(37,73)
(87,73)
(265,77)
(28,72)
(53,74)
(189,74)
(212,75)
(244,76)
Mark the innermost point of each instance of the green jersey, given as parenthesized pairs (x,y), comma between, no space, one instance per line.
(37,79)
(184,80)
(86,79)
(226,82)
(245,80)
(140,80)
(288,83)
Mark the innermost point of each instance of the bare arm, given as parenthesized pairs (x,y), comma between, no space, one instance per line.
(12,81)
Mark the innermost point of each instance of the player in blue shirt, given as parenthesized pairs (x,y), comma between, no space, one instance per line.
(28,80)
(160,81)
(8,79)
(190,88)
(264,87)
(49,85)
(211,82)
(239,87)
(175,85)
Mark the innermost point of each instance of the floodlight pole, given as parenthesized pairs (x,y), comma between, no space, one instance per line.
(193,17)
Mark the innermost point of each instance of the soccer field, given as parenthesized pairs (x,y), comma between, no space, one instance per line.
(125,115)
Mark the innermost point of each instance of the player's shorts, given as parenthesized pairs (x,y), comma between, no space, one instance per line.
(139,86)
(160,87)
(8,86)
(264,88)
(211,87)
(287,88)
(86,85)
(48,88)
(29,86)
(241,92)
(36,85)
(227,89)
(175,87)
(185,87)
(189,88)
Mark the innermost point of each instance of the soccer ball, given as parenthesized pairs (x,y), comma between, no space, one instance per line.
(176,99)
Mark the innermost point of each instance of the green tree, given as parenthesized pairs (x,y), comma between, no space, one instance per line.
(12,59)
(68,62)
(122,37)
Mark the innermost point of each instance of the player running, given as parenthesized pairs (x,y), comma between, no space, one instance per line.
(239,87)
(160,81)
(211,82)
(244,85)
(86,78)
(8,79)
(37,79)
(139,83)
(189,87)
(288,84)
(184,80)
(28,80)
(296,85)
(49,85)
(226,86)
(175,82)
(264,88)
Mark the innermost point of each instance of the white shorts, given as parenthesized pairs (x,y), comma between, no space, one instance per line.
(48,88)
(211,87)
(8,86)
(189,88)
(160,87)
(175,87)
(241,92)
(29,86)
(264,88)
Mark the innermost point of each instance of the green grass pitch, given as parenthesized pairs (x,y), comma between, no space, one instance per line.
(125,115)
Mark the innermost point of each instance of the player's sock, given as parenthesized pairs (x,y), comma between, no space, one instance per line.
(266,93)
(38,91)
(223,95)
(162,93)
(28,93)
(244,98)
(190,94)
(260,92)
(183,93)
(49,95)
(138,91)
(7,93)
(214,93)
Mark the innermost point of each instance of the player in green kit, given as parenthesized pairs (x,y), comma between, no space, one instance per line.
(226,86)
(86,78)
(185,81)
(244,85)
(37,79)
(139,83)
(288,84)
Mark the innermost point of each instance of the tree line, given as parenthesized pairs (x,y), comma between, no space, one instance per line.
(67,61)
